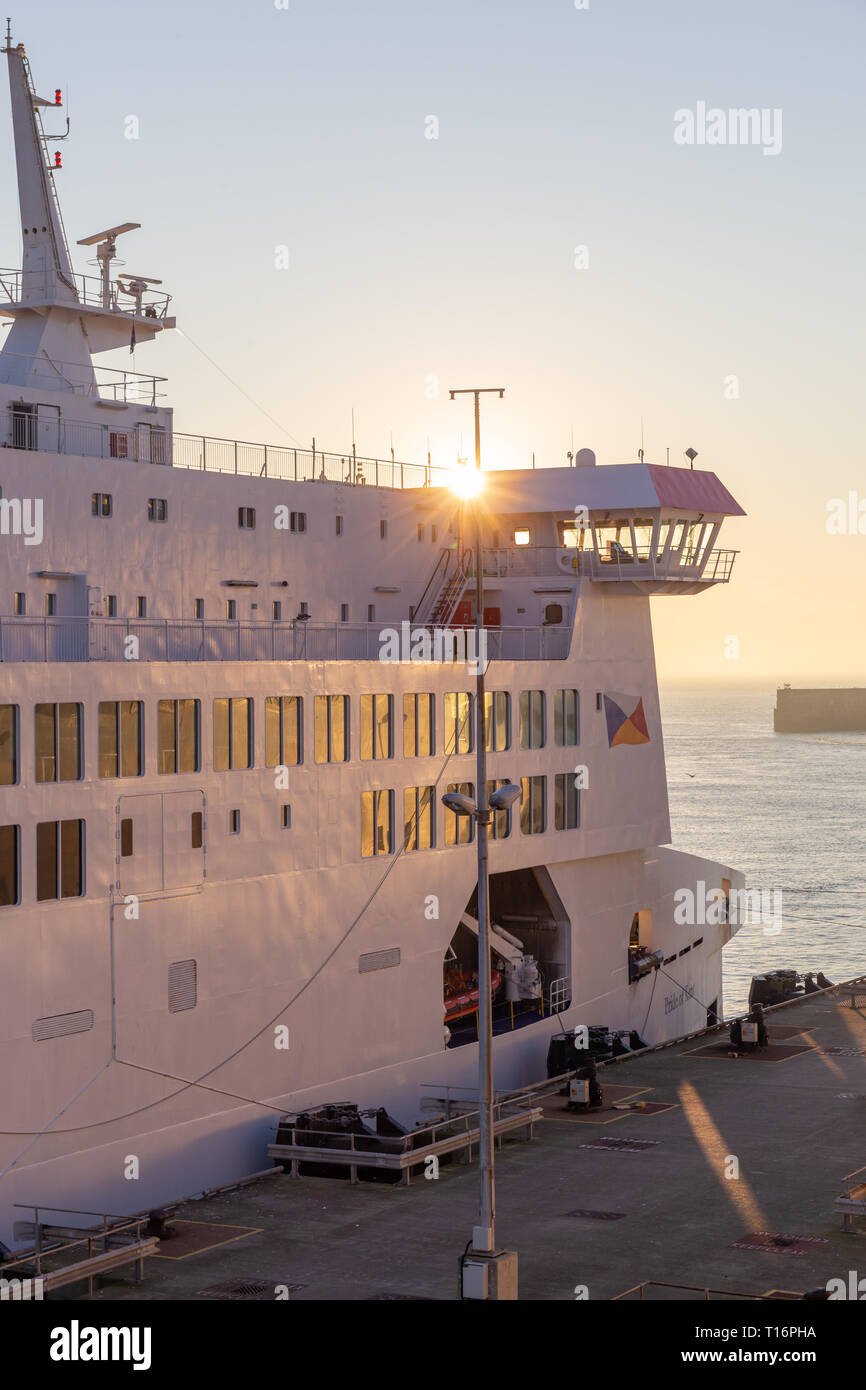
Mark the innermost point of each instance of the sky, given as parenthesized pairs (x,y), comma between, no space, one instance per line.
(491,193)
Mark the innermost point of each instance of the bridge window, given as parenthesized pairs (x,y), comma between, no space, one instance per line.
(332,728)
(533,719)
(58,743)
(533,812)
(459,830)
(232,734)
(9,867)
(522,536)
(419,818)
(59,846)
(377,818)
(178,736)
(284,716)
(120,738)
(497,720)
(566,727)
(8,745)
(377,718)
(419,740)
(566,802)
(459,734)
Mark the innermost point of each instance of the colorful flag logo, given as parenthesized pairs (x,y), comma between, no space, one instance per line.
(626,721)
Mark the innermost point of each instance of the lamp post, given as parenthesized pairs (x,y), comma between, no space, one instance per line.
(484,1257)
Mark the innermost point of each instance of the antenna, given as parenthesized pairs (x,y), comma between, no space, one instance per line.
(106,248)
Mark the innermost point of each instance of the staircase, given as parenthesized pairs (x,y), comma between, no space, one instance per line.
(443,600)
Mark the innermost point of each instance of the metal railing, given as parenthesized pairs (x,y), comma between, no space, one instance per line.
(177,639)
(568,562)
(706,1294)
(96,383)
(38,286)
(144,442)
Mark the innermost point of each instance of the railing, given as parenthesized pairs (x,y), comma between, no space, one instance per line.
(706,1294)
(433,589)
(96,383)
(39,286)
(176,639)
(146,443)
(549,560)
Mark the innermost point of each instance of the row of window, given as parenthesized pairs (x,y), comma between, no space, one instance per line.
(59,861)
(59,731)
(419,814)
(102,504)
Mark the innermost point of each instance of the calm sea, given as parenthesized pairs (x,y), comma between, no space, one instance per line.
(787,809)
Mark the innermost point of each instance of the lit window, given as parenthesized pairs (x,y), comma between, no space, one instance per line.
(497,720)
(58,743)
(377,717)
(419,819)
(566,728)
(522,536)
(458,722)
(120,738)
(232,734)
(178,724)
(284,716)
(418,725)
(157,509)
(100,503)
(332,728)
(377,817)
(459,830)
(532,805)
(532,719)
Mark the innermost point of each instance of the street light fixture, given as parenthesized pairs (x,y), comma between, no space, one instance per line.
(485,1272)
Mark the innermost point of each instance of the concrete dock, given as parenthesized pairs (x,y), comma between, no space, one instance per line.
(727,1180)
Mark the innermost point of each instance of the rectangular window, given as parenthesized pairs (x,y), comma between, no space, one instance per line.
(199,608)
(284,717)
(9,864)
(298,521)
(196,829)
(58,743)
(377,817)
(566,802)
(419,738)
(332,728)
(100,503)
(532,805)
(126,837)
(500,821)
(231,609)
(59,862)
(497,720)
(344,612)
(338,525)
(377,719)
(277,611)
(383,530)
(50,605)
(111,605)
(522,536)
(420,531)
(178,724)
(157,509)
(371,612)
(532,719)
(141,606)
(232,734)
(234,822)
(286,816)
(118,445)
(434,533)
(247,518)
(19,605)
(459,830)
(419,818)
(303,610)
(459,734)
(121,734)
(8,745)
(566,726)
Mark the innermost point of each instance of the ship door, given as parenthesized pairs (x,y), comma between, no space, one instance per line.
(142,443)
(183,839)
(48,428)
(138,844)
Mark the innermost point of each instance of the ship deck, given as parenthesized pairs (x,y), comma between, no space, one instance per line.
(666,1212)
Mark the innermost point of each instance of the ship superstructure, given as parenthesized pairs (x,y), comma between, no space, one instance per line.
(232,695)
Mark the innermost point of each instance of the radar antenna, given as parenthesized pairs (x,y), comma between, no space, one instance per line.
(106,252)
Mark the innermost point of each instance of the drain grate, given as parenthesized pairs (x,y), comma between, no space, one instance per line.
(249,1290)
(630,1146)
(598,1215)
(779,1243)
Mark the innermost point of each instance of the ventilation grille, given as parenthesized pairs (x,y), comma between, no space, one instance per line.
(181,986)
(379,960)
(61,1025)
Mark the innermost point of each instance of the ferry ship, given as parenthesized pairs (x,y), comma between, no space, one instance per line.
(229,886)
